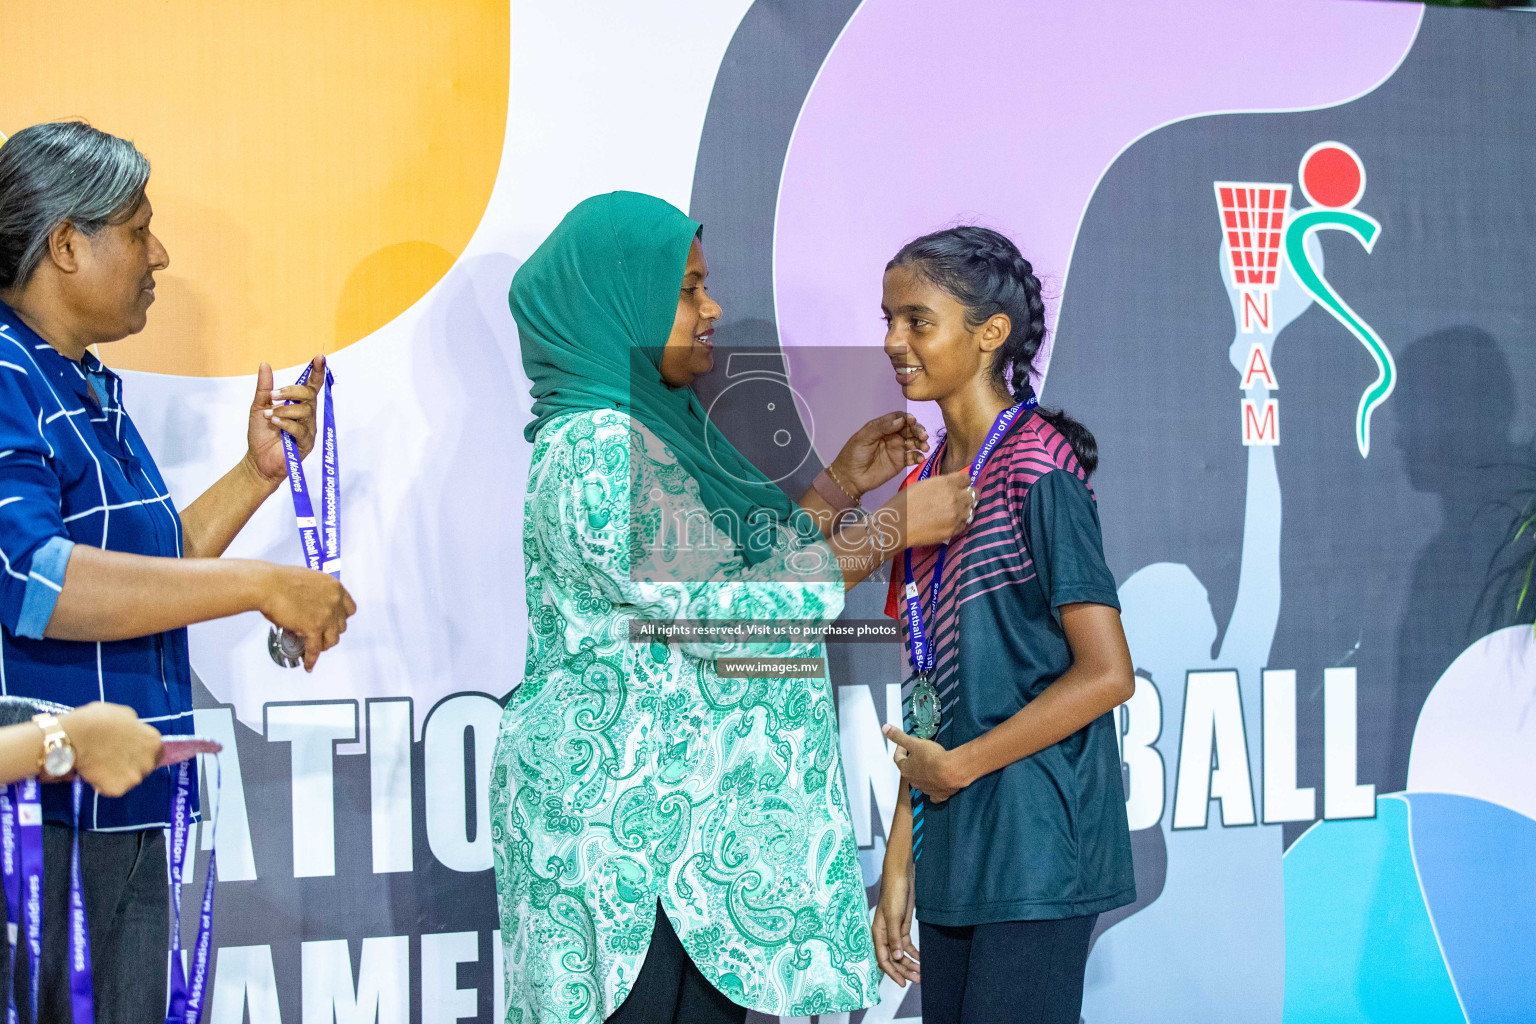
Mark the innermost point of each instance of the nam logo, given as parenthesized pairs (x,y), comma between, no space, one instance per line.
(1261,236)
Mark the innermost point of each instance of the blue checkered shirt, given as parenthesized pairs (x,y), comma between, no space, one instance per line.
(74,470)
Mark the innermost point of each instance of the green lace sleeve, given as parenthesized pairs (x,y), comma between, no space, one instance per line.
(621,513)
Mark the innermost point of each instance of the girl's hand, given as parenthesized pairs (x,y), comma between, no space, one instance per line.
(270,419)
(926,766)
(879,450)
(892,927)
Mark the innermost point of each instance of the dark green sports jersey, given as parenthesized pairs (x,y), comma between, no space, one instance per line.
(1045,837)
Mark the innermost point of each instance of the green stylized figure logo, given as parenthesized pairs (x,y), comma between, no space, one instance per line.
(1333,180)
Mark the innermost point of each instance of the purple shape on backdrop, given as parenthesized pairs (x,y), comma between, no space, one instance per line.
(1475,869)
(1009,112)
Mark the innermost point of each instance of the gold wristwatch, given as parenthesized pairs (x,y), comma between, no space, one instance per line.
(58,758)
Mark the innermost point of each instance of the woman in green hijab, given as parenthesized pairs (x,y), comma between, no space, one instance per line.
(671,844)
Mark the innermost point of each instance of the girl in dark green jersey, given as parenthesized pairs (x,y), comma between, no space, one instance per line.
(1010,836)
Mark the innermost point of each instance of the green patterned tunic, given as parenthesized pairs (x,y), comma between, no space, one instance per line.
(627,773)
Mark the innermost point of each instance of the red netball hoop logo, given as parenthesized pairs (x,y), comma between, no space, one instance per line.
(1252,218)
(1260,233)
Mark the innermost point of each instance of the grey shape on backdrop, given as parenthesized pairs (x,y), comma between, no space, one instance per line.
(762,83)
(1464,453)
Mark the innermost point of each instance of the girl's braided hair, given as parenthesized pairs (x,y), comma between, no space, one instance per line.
(986,273)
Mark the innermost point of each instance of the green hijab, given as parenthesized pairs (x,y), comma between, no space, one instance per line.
(594,306)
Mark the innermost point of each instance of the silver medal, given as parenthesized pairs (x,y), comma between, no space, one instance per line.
(926,711)
(287,649)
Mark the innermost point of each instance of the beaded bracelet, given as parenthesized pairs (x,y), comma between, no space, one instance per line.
(832,490)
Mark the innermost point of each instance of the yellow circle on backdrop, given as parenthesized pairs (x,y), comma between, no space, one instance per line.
(317,166)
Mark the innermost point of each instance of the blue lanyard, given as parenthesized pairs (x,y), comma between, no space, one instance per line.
(188,995)
(321,538)
(923,654)
(21,858)
(21,855)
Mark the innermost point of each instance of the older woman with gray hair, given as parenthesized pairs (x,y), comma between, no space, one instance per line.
(102,573)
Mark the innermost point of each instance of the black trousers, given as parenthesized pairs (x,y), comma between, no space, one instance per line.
(1018,972)
(670,989)
(128,916)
